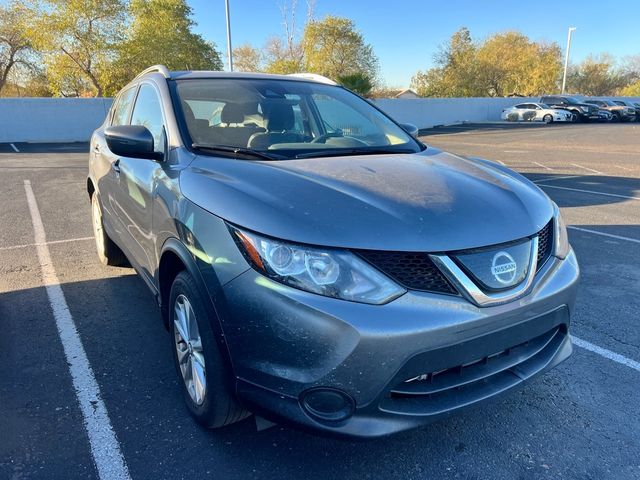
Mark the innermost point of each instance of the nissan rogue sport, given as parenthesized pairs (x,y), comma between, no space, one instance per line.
(315,263)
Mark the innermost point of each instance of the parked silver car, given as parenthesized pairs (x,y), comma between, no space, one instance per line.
(316,264)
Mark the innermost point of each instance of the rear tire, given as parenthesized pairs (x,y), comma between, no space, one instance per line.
(203,376)
(615,118)
(108,252)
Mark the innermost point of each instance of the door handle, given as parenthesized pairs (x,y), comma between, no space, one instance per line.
(96,148)
(115,166)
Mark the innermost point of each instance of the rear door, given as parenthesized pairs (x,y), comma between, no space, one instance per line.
(527,111)
(137,179)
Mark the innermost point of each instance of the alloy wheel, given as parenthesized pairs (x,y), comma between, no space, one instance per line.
(188,344)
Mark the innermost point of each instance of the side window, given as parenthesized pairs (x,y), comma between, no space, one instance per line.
(148,112)
(123,107)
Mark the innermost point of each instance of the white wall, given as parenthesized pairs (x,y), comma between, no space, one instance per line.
(73,119)
(429,112)
(40,120)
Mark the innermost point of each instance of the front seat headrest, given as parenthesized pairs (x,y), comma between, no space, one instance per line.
(280,117)
(232,113)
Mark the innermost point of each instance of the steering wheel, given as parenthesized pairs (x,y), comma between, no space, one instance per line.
(323,138)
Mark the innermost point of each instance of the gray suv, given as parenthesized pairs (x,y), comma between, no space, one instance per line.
(316,264)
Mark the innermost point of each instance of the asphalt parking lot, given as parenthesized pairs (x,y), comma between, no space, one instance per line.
(581,420)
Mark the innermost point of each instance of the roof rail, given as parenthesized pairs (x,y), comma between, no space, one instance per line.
(156,68)
(313,76)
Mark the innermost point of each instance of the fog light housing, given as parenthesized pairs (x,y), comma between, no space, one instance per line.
(327,404)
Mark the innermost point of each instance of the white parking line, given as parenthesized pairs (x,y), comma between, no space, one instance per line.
(610,235)
(603,352)
(543,166)
(553,179)
(586,168)
(105,448)
(590,191)
(15,149)
(53,242)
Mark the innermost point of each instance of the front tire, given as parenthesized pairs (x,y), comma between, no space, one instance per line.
(203,375)
(547,118)
(108,252)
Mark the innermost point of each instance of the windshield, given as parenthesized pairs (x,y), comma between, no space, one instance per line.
(286,119)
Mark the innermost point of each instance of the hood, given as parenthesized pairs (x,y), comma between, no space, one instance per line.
(431,201)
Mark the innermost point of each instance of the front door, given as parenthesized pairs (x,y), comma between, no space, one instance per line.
(137,180)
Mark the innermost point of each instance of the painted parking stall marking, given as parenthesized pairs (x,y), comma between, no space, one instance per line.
(594,192)
(105,448)
(604,234)
(587,168)
(543,166)
(53,242)
(603,352)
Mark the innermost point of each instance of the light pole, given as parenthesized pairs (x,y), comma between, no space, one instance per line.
(566,58)
(229,51)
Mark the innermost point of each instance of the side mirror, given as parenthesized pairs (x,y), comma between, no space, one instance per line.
(135,141)
(410,128)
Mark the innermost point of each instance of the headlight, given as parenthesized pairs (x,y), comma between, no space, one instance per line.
(329,272)
(584,109)
(561,238)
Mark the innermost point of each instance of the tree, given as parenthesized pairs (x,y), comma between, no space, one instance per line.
(285,55)
(333,47)
(247,58)
(79,38)
(503,64)
(455,72)
(15,46)
(510,63)
(161,33)
(33,83)
(631,90)
(596,76)
(358,82)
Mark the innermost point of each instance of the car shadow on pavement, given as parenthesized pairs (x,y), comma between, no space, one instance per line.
(485,127)
(575,190)
(129,351)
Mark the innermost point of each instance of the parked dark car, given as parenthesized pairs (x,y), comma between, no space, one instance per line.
(621,113)
(626,103)
(605,116)
(583,111)
(316,264)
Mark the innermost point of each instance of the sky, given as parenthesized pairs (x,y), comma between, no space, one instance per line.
(405,34)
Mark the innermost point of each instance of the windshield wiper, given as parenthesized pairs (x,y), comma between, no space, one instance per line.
(338,152)
(237,151)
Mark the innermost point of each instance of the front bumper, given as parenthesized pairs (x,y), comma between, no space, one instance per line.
(284,342)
